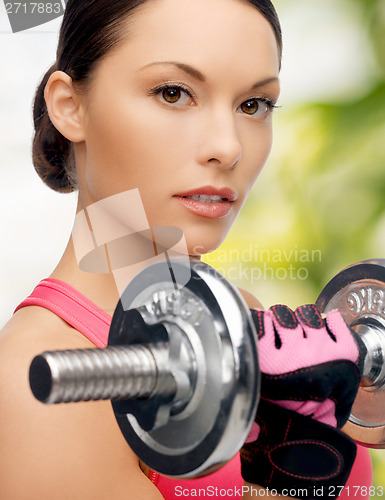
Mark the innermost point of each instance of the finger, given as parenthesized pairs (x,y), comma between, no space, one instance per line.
(283,350)
(259,323)
(288,330)
(309,318)
(269,345)
(285,316)
(330,338)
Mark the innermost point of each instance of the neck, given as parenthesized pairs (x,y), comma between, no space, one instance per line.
(100,288)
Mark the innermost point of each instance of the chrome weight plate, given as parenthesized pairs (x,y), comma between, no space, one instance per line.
(358,292)
(197,435)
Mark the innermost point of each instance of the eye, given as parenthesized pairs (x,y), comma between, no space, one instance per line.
(173,94)
(256,106)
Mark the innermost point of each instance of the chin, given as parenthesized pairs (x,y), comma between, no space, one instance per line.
(201,236)
(201,245)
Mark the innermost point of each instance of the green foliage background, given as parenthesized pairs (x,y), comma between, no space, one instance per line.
(319,205)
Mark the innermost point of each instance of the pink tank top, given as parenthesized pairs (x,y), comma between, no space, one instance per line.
(91,321)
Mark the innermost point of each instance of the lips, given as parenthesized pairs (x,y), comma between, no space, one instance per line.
(208,201)
(225,193)
(205,198)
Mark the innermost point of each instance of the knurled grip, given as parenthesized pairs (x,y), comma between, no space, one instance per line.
(116,372)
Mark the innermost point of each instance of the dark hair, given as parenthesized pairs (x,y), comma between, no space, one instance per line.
(88,31)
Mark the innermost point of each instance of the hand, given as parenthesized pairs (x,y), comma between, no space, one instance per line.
(310,368)
(309,364)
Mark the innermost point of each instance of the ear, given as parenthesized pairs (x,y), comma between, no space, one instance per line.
(64,106)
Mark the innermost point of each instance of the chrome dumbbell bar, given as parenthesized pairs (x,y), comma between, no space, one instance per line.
(122,372)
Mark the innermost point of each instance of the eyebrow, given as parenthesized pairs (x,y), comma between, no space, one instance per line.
(195,73)
(184,67)
(264,82)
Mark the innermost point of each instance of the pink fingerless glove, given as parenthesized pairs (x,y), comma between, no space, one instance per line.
(310,369)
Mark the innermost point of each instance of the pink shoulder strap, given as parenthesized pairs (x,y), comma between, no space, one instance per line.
(70,305)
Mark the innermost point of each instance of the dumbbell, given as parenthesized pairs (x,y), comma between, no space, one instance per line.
(358,292)
(182,371)
(180,368)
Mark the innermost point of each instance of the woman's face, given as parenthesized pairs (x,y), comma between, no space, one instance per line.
(181,111)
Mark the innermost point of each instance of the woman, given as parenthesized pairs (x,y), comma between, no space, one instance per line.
(171,100)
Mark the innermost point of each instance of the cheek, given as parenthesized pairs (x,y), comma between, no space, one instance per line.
(131,145)
(257,147)
(126,147)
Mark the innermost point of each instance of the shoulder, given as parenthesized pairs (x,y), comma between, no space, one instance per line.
(250,299)
(29,332)
(36,326)
(77,446)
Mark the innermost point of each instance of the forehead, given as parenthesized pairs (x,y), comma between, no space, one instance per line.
(203,33)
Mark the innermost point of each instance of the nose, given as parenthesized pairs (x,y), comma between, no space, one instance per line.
(220,144)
